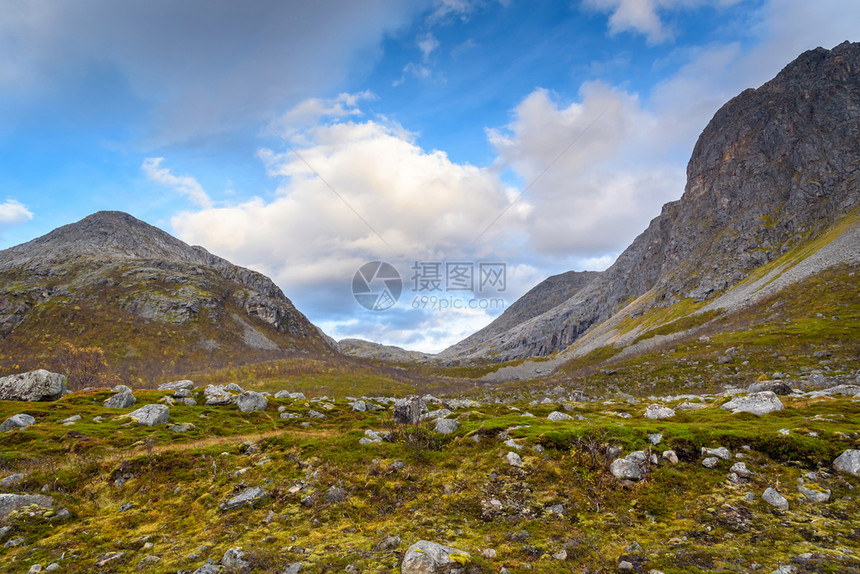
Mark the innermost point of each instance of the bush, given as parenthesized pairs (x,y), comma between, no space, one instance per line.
(84,366)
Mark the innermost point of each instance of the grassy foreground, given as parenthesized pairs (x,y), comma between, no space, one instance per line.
(149,499)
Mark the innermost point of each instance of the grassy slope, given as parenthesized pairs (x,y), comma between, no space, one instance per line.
(680,515)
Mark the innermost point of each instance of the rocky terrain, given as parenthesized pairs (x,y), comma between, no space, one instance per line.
(758,478)
(775,168)
(116,282)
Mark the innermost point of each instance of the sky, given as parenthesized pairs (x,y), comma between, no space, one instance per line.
(476,146)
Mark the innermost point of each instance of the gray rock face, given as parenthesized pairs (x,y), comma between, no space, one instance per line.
(756,403)
(786,152)
(248,497)
(407,411)
(38,385)
(151,415)
(426,557)
(658,412)
(122,400)
(251,401)
(177,385)
(20,421)
(848,461)
(447,426)
(10,502)
(775,499)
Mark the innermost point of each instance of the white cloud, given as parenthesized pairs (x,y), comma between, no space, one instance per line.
(427,43)
(183,184)
(13,212)
(643,15)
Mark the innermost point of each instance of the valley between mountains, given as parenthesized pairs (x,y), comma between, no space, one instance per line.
(693,408)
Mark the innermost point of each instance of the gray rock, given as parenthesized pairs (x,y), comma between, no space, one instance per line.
(178,428)
(19,421)
(514,459)
(209,569)
(447,426)
(740,469)
(388,543)
(233,559)
(776,387)
(10,502)
(626,566)
(188,402)
(235,388)
(720,452)
(814,492)
(359,406)
(71,419)
(407,411)
(655,438)
(38,385)
(426,557)
(248,497)
(558,416)
(298,396)
(12,480)
(176,385)
(624,469)
(658,412)
(316,414)
(251,401)
(286,415)
(151,415)
(710,462)
(217,395)
(52,567)
(756,403)
(670,456)
(123,400)
(182,393)
(775,499)
(787,569)
(848,461)
(437,414)
(294,568)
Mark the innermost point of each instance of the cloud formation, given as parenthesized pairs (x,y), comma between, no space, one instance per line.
(182,184)
(13,212)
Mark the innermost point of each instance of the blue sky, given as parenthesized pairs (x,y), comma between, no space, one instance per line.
(412,126)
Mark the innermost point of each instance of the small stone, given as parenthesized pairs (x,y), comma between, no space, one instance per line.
(848,461)
(514,459)
(658,412)
(625,566)
(488,553)
(558,416)
(122,400)
(721,452)
(655,438)
(624,469)
(756,403)
(447,426)
(250,401)
(151,415)
(20,421)
(814,492)
(670,456)
(711,462)
(740,469)
(775,499)
(233,559)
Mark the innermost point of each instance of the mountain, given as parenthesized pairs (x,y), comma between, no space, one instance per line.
(151,301)
(775,169)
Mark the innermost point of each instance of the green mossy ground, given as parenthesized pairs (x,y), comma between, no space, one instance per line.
(685,517)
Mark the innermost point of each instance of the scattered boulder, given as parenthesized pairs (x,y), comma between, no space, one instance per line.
(38,385)
(670,456)
(659,412)
(233,559)
(814,492)
(655,438)
(407,411)
(218,395)
(447,426)
(19,421)
(740,469)
(151,415)
(122,400)
(177,385)
(11,480)
(426,557)
(720,452)
(775,499)
(316,415)
(776,387)
(624,469)
(848,461)
(710,462)
(10,502)
(756,403)
(251,401)
(248,497)
(558,416)
(359,406)
(514,459)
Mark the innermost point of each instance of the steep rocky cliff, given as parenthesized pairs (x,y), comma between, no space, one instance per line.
(117,282)
(774,167)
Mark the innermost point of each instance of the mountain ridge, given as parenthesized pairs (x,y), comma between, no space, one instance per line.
(774,167)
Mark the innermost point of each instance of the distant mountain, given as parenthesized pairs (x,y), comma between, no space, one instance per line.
(774,169)
(145,297)
(379,352)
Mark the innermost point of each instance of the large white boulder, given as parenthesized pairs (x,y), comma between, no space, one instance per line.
(39,385)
